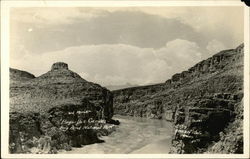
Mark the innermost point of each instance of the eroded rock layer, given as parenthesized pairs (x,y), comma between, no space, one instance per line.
(200,101)
(56,110)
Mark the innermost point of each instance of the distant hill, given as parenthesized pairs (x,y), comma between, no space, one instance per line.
(117,87)
(19,75)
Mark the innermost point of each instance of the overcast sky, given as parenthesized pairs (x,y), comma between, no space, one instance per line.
(114,46)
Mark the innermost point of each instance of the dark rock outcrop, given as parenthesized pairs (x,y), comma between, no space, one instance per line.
(231,138)
(201,101)
(57,110)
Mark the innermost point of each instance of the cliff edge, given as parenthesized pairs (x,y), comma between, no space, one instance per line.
(201,102)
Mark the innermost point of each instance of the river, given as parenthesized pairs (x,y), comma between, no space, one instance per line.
(133,135)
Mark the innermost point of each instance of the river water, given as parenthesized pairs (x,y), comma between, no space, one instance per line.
(133,135)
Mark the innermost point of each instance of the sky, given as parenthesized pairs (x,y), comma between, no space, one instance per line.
(115,46)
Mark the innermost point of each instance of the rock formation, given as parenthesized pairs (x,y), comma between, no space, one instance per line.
(56,110)
(19,76)
(200,101)
(59,109)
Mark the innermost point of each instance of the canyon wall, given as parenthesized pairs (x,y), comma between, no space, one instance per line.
(56,110)
(201,101)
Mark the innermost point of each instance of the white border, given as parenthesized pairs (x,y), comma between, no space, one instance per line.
(79,3)
(246,80)
(5,7)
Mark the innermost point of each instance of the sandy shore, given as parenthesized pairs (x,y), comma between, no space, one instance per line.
(159,147)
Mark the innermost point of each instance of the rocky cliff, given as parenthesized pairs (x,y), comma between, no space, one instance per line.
(56,110)
(200,101)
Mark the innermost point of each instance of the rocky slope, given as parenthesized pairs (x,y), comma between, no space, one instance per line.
(19,76)
(201,101)
(56,110)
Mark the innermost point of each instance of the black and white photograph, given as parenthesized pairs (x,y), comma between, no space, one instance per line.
(125,79)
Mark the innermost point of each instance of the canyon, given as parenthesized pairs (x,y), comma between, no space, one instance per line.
(202,102)
(61,110)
